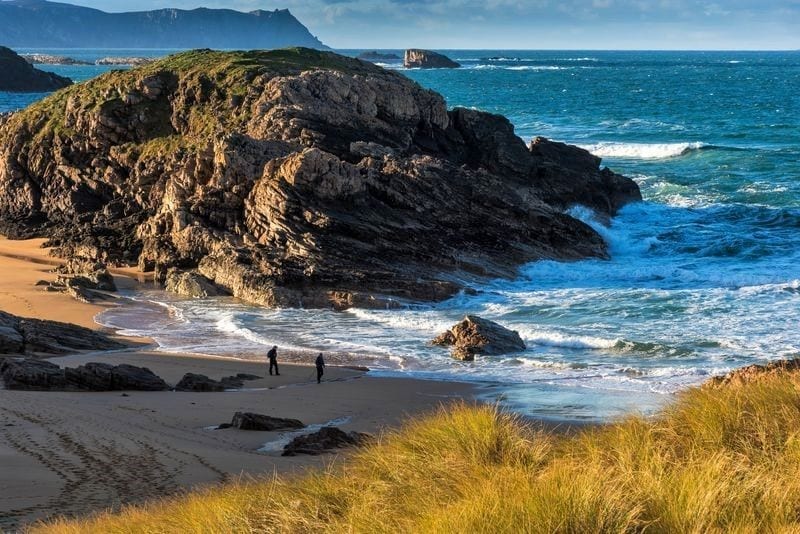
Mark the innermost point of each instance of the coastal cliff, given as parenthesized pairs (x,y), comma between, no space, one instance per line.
(39,23)
(19,76)
(294,178)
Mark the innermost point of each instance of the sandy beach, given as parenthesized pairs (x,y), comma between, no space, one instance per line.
(75,453)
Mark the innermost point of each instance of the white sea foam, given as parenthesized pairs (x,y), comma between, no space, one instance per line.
(532,336)
(642,150)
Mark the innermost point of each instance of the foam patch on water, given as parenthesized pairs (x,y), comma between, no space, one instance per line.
(643,150)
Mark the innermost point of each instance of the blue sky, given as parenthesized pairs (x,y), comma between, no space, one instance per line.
(527,24)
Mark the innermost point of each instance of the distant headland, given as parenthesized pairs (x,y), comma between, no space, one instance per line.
(39,23)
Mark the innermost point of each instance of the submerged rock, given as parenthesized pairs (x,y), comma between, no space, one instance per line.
(426,59)
(374,55)
(19,76)
(327,439)
(475,335)
(20,335)
(256,421)
(40,375)
(294,178)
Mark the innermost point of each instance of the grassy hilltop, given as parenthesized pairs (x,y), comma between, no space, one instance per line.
(721,459)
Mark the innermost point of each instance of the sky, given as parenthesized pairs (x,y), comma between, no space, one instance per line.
(527,24)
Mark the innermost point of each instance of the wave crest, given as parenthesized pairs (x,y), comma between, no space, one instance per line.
(644,150)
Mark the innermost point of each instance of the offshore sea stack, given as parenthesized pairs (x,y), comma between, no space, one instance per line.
(415,58)
(294,178)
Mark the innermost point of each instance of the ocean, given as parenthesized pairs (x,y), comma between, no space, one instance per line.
(704,275)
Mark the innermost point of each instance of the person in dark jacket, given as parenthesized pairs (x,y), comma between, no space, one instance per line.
(273,360)
(320,363)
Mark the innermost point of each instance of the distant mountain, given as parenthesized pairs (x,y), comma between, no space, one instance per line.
(39,23)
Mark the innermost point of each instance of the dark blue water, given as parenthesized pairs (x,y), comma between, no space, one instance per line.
(704,275)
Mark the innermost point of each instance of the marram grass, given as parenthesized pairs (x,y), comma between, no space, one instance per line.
(717,460)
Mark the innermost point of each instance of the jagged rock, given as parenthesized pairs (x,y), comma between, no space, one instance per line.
(19,335)
(191,284)
(328,182)
(327,439)
(255,421)
(19,76)
(374,55)
(198,382)
(475,335)
(29,374)
(754,373)
(416,58)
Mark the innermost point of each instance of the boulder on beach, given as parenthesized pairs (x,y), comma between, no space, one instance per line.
(266,423)
(40,375)
(327,439)
(19,76)
(475,335)
(416,58)
(202,383)
(754,373)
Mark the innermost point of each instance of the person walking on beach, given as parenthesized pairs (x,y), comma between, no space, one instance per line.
(273,360)
(320,363)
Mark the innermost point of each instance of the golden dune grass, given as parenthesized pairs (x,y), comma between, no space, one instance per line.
(717,460)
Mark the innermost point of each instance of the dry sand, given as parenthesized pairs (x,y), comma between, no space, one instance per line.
(74,453)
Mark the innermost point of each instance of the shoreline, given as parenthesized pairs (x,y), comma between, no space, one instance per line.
(74,453)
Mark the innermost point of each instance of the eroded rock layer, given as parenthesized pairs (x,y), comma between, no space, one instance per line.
(294,178)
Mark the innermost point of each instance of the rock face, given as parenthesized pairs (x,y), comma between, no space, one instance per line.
(327,439)
(255,421)
(28,374)
(294,178)
(754,373)
(416,58)
(19,76)
(374,55)
(34,336)
(475,335)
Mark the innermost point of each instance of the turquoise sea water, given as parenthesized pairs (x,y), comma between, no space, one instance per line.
(704,275)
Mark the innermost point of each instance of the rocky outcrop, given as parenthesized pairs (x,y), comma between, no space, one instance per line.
(294,178)
(19,335)
(754,373)
(415,58)
(29,374)
(374,56)
(475,335)
(265,423)
(124,61)
(191,284)
(327,439)
(202,383)
(48,59)
(19,76)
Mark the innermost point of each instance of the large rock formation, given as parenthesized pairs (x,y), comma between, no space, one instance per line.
(41,375)
(19,335)
(19,76)
(414,58)
(475,335)
(294,178)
